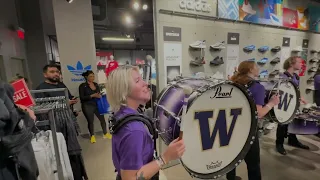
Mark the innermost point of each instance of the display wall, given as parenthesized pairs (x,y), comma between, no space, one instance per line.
(175,33)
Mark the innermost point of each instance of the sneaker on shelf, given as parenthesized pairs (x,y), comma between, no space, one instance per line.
(218,45)
(197,62)
(248,8)
(313,69)
(276,49)
(310,79)
(217,61)
(199,44)
(275,60)
(263,73)
(249,48)
(263,61)
(313,51)
(263,49)
(297,49)
(315,59)
(274,73)
(311,88)
(252,59)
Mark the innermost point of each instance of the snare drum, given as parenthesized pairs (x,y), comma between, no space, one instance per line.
(289,104)
(219,127)
(303,126)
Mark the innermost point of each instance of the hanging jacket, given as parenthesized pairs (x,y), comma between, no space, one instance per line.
(17,159)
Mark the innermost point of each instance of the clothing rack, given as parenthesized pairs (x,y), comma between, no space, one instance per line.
(52,124)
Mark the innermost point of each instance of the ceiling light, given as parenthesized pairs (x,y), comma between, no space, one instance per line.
(128,35)
(136,5)
(69,1)
(118,39)
(145,7)
(128,19)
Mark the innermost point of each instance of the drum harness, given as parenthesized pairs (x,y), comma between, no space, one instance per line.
(116,124)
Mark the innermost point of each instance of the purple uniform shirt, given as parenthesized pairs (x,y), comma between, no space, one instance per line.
(258,93)
(132,145)
(294,79)
(317,82)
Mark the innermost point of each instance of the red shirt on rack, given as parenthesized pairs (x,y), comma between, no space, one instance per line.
(112,65)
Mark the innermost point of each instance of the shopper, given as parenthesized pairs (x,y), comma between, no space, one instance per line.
(132,146)
(291,65)
(89,91)
(248,71)
(317,87)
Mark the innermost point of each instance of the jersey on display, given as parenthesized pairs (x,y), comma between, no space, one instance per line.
(111,66)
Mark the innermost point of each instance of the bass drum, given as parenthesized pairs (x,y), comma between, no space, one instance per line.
(289,104)
(218,129)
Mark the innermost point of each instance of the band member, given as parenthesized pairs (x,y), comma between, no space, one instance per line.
(291,65)
(247,72)
(132,145)
(317,87)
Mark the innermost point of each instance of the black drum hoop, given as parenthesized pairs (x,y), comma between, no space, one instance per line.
(251,137)
(272,113)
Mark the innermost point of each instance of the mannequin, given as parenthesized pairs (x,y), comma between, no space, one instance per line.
(112,65)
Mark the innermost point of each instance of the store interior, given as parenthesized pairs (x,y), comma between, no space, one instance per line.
(169,40)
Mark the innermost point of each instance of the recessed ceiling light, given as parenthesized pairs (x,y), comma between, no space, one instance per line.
(136,5)
(145,7)
(115,39)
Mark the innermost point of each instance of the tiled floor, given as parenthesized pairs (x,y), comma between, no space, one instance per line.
(297,165)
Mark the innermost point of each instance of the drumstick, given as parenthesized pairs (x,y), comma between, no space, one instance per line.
(187,91)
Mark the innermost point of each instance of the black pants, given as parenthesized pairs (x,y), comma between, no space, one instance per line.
(282,132)
(78,169)
(89,110)
(252,160)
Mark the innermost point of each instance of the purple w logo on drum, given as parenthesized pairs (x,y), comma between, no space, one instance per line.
(225,135)
(284,100)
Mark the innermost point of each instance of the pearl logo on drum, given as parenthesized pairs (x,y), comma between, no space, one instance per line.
(222,94)
(214,165)
(225,134)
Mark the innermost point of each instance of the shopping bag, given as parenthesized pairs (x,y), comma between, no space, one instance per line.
(103,105)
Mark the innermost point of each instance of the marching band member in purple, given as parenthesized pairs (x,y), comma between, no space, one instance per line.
(291,65)
(317,87)
(247,72)
(132,145)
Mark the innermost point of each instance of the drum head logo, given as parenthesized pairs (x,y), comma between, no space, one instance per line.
(288,100)
(216,129)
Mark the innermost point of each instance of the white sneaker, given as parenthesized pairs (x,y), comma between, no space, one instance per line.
(248,8)
(297,49)
(271,126)
(218,45)
(199,44)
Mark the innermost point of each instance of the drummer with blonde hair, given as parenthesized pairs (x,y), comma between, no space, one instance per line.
(132,146)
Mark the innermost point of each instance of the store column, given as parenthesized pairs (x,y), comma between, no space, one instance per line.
(75,35)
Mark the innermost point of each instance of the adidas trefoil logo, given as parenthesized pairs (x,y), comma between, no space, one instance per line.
(79,69)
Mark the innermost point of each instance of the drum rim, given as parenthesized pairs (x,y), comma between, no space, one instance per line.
(164,92)
(251,137)
(272,113)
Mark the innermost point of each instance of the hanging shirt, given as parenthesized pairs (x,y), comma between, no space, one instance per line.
(112,65)
(132,145)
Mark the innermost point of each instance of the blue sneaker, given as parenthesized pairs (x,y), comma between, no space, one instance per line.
(263,61)
(263,49)
(249,48)
(263,73)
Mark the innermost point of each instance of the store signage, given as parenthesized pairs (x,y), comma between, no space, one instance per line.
(22,94)
(305,43)
(233,38)
(77,71)
(286,42)
(196,5)
(171,33)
